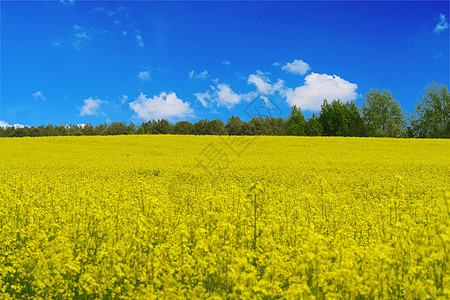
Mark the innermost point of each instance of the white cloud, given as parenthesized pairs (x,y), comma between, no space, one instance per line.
(260,81)
(226,62)
(318,87)
(38,95)
(144,75)
(264,87)
(68,2)
(202,75)
(4,125)
(125,24)
(56,43)
(221,94)
(204,98)
(124,99)
(91,107)
(139,41)
(226,96)
(298,66)
(442,25)
(82,35)
(162,106)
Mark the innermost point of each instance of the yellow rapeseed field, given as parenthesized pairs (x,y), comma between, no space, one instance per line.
(167,217)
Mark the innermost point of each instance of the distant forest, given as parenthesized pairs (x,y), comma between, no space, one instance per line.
(379,116)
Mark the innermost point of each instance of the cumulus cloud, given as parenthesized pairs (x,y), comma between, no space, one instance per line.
(318,87)
(298,66)
(4,125)
(221,94)
(442,25)
(226,62)
(38,95)
(162,106)
(144,75)
(264,87)
(260,81)
(201,75)
(91,107)
(204,98)
(226,96)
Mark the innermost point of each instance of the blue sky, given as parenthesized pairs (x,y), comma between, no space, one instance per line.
(75,62)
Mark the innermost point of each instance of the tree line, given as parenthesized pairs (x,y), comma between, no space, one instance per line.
(379,116)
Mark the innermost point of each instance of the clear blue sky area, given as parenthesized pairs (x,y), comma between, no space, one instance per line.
(74,62)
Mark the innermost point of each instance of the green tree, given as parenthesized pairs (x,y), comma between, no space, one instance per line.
(117,128)
(162,127)
(431,116)
(216,127)
(248,128)
(201,127)
(131,128)
(147,127)
(88,129)
(234,126)
(341,119)
(140,130)
(296,122)
(275,126)
(183,127)
(313,126)
(258,126)
(100,129)
(356,124)
(74,130)
(382,114)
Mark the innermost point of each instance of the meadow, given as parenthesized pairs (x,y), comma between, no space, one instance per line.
(169,217)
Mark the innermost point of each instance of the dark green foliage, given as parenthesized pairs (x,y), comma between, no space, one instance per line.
(341,119)
(183,127)
(431,118)
(275,126)
(234,126)
(117,128)
(382,114)
(257,126)
(296,123)
(162,126)
(201,127)
(216,127)
(100,129)
(140,130)
(313,126)
(88,129)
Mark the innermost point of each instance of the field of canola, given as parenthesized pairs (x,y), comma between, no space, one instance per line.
(169,217)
